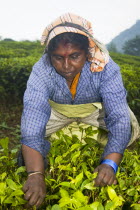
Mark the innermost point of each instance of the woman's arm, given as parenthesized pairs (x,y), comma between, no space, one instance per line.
(35,115)
(34,188)
(33,159)
(117,121)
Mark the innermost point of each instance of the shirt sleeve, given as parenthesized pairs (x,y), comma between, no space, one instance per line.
(36,112)
(117,117)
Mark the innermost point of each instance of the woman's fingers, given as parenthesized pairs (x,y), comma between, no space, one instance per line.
(106,175)
(28,195)
(35,190)
(115,182)
(40,201)
(33,199)
(25,187)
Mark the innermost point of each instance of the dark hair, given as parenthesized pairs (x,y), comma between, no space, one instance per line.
(78,40)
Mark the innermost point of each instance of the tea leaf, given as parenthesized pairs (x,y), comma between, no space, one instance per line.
(74,146)
(122,184)
(9,200)
(4,143)
(3,175)
(51,197)
(88,174)
(78,195)
(96,206)
(58,159)
(12,184)
(90,186)
(14,151)
(20,200)
(135,206)
(2,197)
(3,157)
(87,207)
(109,205)
(131,192)
(20,170)
(67,184)
(17,192)
(56,207)
(100,207)
(2,188)
(63,193)
(89,141)
(64,201)
(79,178)
(111,192)
(75,156)
(118,201)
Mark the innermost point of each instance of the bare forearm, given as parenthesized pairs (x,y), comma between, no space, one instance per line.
(33,159)
(116,157)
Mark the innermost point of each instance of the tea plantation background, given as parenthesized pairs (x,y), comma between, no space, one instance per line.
(69,177)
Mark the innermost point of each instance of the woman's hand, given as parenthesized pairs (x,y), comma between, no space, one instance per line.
(106,175)
(35,190)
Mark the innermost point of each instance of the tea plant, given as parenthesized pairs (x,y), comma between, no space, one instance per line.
(69,177)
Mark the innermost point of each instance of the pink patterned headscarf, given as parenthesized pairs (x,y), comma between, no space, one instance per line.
(98,54)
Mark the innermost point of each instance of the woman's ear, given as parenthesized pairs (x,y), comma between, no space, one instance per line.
(87,55)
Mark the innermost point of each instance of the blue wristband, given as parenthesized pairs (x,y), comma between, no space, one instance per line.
(110,163)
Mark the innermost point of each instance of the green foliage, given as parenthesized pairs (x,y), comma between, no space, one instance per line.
(11,194)
(12,49)
(130,69)
(70,179)
(16,59)
(14,75)
(132,46)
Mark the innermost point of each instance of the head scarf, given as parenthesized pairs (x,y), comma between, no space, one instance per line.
(98,54)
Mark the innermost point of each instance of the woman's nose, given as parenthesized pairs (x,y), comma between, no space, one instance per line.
(66,63)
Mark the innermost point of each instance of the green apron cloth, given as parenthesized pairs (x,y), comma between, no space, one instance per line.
(84,115)
(78,110)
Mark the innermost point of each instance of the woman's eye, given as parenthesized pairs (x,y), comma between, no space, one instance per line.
(58,58)
(75,56)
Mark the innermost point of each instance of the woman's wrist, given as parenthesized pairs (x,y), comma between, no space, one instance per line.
(116,157)
(30,173)
(110,163)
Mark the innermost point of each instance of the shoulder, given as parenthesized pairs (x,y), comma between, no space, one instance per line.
(111,66)
(110,70)
(42,66)
(41,73)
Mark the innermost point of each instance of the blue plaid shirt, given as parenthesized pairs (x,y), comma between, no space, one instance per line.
(106,86)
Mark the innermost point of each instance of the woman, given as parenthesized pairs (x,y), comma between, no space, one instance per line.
(75,80)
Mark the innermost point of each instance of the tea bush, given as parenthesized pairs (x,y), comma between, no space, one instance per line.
(130,69)
(16,61)
(69,177)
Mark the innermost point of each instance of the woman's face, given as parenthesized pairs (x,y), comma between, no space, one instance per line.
(68,60)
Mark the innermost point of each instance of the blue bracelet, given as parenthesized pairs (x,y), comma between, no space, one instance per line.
(110,163)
